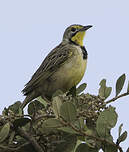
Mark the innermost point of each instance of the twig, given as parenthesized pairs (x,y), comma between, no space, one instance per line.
(96,138)
(117,97)
(91,136)
(44,116)
(30,139)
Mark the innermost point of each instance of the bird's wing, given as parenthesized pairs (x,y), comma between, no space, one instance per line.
(52,62)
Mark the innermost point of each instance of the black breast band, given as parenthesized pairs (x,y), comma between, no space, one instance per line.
(85,54)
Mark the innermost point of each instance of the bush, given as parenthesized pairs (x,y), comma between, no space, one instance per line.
(72,122)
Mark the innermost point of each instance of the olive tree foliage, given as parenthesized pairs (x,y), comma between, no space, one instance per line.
(71,122)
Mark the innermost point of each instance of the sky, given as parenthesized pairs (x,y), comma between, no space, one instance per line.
(30,29)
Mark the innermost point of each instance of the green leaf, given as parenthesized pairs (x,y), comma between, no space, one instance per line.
(102,88)
(107,92)
(122,137)
(67,145)
(81,88)
(42,101)
(109,148)
(21,122)
(120,83)
(90,132)
(104,91)
(4,132)
(21,112)
(31,108)
(79,123)
(68,130)
(68,111)
(15,107)
(106,120)
(102,82)
(85,148)
(34,106)
(52,123)
(120,129)
(128,87)
(56,104)
(101,91)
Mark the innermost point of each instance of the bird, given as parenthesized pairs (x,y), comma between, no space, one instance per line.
(62,69)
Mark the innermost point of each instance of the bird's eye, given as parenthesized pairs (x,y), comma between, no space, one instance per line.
(73,29)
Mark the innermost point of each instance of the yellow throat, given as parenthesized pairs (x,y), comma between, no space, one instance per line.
(78,38)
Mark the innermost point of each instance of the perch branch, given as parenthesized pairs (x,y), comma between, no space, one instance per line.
(25,135)
(117,97)
(91,136)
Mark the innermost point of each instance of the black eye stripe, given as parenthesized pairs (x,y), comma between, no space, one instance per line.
(73,29)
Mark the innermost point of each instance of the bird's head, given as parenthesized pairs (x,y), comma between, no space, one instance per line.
(75,33)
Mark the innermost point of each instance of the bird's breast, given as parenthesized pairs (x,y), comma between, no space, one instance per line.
(72,72)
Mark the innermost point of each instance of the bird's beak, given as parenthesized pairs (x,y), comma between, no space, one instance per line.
(85,28)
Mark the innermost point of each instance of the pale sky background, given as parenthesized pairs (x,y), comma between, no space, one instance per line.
(29,29)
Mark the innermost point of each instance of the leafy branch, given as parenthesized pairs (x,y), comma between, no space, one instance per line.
(25,135)
(117,97)
(71,122)
(82,133)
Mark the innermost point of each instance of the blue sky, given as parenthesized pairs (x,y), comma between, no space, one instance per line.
(29,29)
